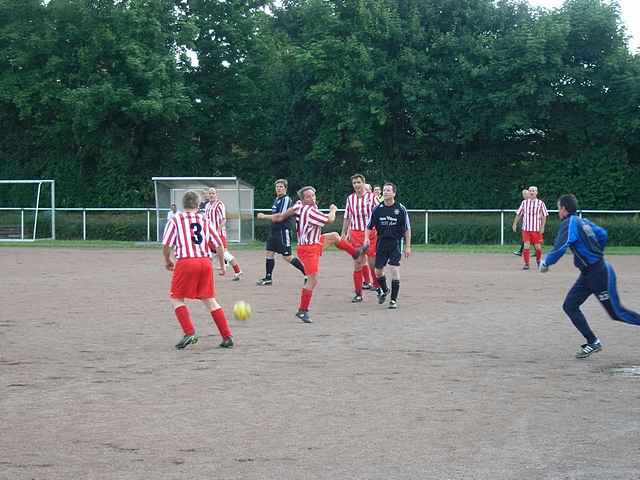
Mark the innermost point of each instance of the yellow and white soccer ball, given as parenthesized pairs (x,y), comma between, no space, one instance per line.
(242,310)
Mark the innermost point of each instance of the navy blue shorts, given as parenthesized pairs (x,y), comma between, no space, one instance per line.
(280,242)
(388,251)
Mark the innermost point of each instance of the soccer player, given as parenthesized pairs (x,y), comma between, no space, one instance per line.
(193,237)
(279,240)
(377,191)
(311,241)
(525,196)
(216,212)
(533,213)
(391,221)
(357,213)
(587,241)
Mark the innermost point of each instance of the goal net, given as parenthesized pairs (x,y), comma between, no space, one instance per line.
(27,210)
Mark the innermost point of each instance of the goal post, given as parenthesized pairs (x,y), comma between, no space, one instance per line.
(27,210)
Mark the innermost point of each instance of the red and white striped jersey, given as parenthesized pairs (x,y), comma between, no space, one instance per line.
(191,233)
(217,214)
(309,222)
(358,210)
(532,211)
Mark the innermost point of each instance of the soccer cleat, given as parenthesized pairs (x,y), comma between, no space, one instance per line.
(265,281)
(236,276)
(356,298)
(186,340)
(588,348)
(227,342)
(304,316)
(525,267)
(367,286)
(393,304)
(517,253)
(382,296)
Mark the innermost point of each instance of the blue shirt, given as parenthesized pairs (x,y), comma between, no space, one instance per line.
(585,239)
(281,205)
(391,222)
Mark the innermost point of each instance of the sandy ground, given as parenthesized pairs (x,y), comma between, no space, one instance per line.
(473,377)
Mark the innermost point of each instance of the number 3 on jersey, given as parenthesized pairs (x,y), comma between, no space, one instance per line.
(197,233)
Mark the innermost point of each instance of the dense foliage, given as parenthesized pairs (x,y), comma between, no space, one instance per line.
(460,102)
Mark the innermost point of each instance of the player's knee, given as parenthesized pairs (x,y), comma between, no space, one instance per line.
(569,306)
(228,257)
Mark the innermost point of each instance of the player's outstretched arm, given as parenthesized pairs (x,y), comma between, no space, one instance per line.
(278,217)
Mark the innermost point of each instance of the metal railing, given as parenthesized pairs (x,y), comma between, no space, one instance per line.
(428,214)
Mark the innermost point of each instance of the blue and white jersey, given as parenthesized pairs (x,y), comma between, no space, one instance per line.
(281,205)
(586,240)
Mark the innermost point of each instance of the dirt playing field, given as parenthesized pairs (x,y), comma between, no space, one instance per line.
(473,377)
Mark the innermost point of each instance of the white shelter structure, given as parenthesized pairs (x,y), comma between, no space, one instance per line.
(236,194)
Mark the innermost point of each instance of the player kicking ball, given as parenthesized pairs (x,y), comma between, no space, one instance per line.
(587,241)
(391,221)
(193,237)
(311,241)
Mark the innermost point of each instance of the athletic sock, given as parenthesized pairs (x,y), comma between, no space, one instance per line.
(376,284)
(270,264)
(525,255)
(357,282)
(395,288)
(346,246)
(182,314)
(295,261)
(538,255)
(221,322)
(521,248)
(236,267)
(383,284)
(366,274)
(305,299)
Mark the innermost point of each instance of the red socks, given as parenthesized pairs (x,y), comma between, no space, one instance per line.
(526,256)
(305,299)
(366,274)
(357,282)
(182,314)
(538,255)
(221,322)
(236,268)
(346,246)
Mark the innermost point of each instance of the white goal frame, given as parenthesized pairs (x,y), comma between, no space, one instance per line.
(36,209)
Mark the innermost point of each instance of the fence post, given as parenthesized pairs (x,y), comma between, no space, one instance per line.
(501,227)
(84,224)
(426,227)
(22,224)
(148,225)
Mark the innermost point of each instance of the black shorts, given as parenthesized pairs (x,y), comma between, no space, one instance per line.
(280,242)
(388,251)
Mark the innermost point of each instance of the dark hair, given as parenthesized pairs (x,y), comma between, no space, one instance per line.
(358,175)
(190,200)
(392,185)
(569,202)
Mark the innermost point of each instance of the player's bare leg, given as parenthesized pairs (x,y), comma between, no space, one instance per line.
(525,255)
(184,318)
(231,260)
(219,318)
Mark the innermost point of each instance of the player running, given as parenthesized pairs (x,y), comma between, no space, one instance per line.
(587,241)
(279,240)
(311,241)
(217,214)
(193,237)
(534,214)
(391,221)
(357,213)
